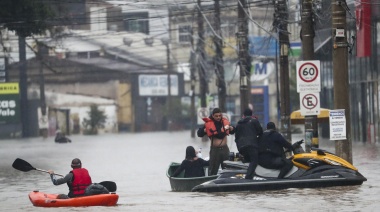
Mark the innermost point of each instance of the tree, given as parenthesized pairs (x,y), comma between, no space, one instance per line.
(26,18)
(96,120)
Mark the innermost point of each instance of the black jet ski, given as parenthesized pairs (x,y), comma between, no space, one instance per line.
(318,168)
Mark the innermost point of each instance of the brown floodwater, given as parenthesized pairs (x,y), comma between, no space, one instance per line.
(138,163)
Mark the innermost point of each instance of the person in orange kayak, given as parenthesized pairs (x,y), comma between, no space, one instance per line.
(77,180)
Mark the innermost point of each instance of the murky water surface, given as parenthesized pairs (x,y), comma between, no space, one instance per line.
(138,163)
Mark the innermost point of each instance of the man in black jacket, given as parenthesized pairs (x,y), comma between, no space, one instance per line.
(247,133)
(272,155)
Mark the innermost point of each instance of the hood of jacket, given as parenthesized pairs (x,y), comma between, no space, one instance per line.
(244,120)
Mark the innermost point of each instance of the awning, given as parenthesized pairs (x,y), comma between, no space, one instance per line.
(297,118)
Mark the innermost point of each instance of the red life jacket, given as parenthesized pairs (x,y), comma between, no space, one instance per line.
(81,180)
(211,129)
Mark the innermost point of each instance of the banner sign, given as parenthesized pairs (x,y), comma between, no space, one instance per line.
(9,103)
(157,85)
(337,125)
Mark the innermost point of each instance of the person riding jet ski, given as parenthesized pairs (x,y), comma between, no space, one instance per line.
(271,151)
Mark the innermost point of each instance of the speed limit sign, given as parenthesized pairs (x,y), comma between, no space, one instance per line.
(308,76)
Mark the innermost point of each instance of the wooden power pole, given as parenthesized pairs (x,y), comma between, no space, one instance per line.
(193,113)
(244,58)
(23,88)
(219,69)
(281,22)
(201,58)
(307,37)
(343,148)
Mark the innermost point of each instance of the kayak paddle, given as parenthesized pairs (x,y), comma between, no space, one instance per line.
(24,166)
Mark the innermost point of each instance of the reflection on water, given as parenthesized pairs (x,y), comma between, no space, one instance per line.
(138,163)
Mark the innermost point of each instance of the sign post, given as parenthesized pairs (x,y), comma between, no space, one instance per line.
(309,86)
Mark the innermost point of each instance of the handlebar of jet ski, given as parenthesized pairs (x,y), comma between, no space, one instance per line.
(296,145)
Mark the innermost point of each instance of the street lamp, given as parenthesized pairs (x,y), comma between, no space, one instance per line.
(127,41)
(166,42)
(149,41)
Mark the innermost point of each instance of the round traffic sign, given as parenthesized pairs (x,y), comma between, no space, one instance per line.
(203,112)
(308,72)
(310,101)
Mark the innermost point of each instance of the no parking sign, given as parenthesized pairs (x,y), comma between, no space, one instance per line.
(309,104)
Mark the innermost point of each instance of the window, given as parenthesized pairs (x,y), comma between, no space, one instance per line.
(137,22)
(184,33)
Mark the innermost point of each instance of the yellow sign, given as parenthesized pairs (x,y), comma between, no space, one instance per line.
(9,88)
(297,118)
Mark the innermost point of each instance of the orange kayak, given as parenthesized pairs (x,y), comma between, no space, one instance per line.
(40,199)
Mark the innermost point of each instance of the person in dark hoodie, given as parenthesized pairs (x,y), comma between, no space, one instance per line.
(192,165)
(272,154)
(247,133)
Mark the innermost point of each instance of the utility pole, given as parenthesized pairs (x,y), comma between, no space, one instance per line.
(281,24)
(203,87)
(193,114)
(23,87)
(44,131)
(166,42)
(219,69)
(201,58)
(343,148)
(307,38)
(244,58)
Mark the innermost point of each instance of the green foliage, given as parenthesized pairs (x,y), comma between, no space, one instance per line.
(96,120)
(26,17)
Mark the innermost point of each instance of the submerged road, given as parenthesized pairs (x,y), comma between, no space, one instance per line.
(138,163)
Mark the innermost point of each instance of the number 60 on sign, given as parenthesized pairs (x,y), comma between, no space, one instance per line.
(308,76)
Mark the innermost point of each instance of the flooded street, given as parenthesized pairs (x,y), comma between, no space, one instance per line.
(138,163)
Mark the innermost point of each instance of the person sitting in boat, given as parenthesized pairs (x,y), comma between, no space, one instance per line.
(77,180)
(217,128)
(192,165)
(272,154)
(60,137)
